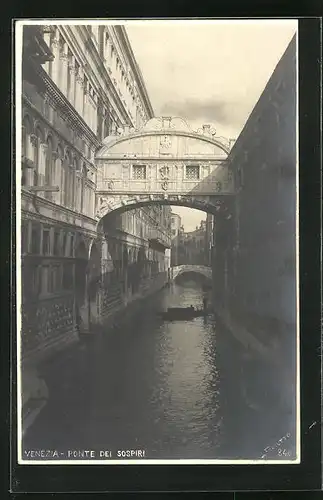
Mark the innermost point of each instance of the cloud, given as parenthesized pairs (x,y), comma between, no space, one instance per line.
(214,110)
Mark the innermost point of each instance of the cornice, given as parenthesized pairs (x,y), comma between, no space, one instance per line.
(163,132)
(29,195)
(152,159)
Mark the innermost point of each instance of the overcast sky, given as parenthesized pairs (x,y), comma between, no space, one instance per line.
(208,72)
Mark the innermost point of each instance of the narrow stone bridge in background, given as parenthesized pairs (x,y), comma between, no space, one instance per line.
(186,268)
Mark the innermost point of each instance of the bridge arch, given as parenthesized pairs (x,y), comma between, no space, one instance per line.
(126,203)
(177,271)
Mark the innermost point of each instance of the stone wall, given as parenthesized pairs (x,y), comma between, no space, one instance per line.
(264,162)
(115,302)
(254,259)
(255,247)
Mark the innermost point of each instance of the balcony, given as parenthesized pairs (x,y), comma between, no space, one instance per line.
(158,240)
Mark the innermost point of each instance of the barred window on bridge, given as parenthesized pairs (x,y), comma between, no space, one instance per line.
(192,172)
(139,172)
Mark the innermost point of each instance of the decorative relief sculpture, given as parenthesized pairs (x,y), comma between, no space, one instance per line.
(104,206)
(164,172)
(110,184)
(165,141)
(33,140)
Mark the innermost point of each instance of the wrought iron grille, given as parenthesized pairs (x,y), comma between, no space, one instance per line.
(139,172)
(192,172)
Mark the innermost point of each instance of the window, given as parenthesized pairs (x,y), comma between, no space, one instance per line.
(45,284)
(35,239)
(64,244)
(24,236)
(37,145)
(35,279)
(61,72)
(69,77)
(54,279)
(56,243)
(77,71)
(72,245)
(192,172)
(49,167)
(46,242)
(85,88)
(25,138)
(78,194)
(139,172)
(68,276)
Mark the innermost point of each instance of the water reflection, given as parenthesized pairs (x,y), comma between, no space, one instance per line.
(153,385)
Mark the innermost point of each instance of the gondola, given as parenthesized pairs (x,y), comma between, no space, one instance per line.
(182,313)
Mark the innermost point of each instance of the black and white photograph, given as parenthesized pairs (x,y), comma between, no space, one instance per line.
(157,241)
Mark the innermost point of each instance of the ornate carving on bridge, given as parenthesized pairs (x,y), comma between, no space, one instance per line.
(104,206)
(165,142)
(164,172)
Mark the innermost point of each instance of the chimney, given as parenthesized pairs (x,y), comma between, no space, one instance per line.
(126,129)
(206,129)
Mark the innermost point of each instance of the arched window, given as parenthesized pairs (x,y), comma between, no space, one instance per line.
(69,181)
(72,173)
(66,179)
(25,136)
(59,170)
(84,176)
(37,141)
(61,72)
(25,142)
(49,167)
(78,189)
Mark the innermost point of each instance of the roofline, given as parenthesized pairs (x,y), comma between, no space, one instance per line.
(126,42)
(147,133)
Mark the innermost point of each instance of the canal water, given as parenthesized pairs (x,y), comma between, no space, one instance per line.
(168,388)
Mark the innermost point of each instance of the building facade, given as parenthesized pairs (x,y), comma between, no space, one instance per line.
(193,246)
(80,84)
(177,230)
